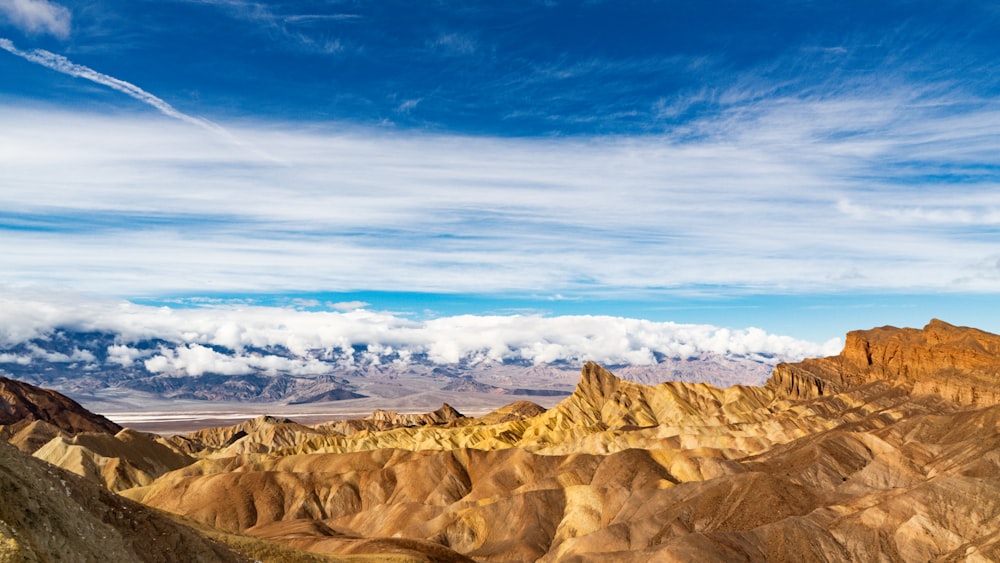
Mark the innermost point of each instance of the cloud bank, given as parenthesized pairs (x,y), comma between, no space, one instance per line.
(786,195)
(271,340)
(38,17)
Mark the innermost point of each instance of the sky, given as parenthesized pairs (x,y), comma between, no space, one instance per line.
(804,167)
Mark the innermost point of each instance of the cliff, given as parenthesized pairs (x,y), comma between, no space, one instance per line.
(957,364)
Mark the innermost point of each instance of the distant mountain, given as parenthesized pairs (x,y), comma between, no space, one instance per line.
(89,364)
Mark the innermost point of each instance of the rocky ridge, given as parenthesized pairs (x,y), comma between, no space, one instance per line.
(21,402)
(958,364)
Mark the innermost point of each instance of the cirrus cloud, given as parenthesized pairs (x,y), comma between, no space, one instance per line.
(38,16)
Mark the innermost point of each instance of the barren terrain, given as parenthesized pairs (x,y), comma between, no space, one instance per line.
(889,451)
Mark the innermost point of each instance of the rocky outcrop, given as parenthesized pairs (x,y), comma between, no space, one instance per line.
(258,435)
(23,402)
(391,419)
(958,364)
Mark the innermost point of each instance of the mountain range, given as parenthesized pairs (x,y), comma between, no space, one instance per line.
(888,451)
(99,370)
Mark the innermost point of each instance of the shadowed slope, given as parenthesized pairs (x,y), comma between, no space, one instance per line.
(49,515)
(20,402)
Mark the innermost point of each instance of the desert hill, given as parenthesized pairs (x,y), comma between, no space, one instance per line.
(47,514)
(883,452)
(21,402)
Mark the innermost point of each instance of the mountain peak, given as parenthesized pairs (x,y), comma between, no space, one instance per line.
(597,383)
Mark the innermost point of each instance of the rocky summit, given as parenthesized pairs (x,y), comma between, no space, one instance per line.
(889,451)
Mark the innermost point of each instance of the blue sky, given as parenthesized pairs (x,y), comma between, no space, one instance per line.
(805,167)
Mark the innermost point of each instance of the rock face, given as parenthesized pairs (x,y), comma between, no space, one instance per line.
(21,402)
(958,364)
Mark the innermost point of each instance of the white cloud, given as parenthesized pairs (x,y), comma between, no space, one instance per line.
(317,337)
(196,360)
(125,356)
(77,355)
(38,16)
(348,305)
(19,359)
(783,195)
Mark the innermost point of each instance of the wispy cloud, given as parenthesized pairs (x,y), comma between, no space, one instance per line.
(454,43)
(981,211)
(295,28)
(408,105)
(786,194)
(38,16)
(61,64)
(348,305)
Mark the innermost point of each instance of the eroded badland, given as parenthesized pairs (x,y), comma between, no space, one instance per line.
(889,451)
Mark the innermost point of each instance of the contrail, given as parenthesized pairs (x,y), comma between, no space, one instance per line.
(61,64)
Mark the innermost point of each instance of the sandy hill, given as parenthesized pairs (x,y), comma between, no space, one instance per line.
(889,451)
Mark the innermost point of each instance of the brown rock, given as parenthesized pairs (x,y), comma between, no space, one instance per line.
(958,364)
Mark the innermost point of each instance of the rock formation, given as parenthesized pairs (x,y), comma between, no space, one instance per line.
(889,451)
(958,364)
